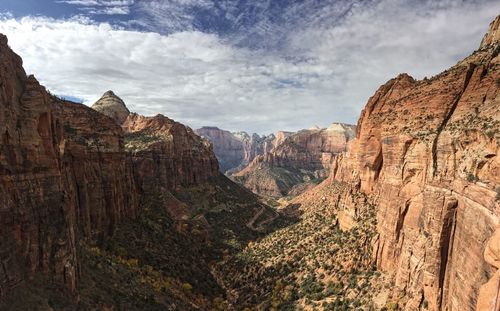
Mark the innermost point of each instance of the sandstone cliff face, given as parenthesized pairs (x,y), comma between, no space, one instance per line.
(493,34)
(426,154)
(228,148)
(166,153)
(295,158)
(70,175)
(61,181)
(312,149)
(235,150)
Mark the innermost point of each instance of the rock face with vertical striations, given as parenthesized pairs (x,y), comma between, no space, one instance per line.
(426,154)
(70,175)
(64,178)
(235,150)
(295,159)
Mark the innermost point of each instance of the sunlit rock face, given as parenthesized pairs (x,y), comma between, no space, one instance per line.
(166,153)
(426,153)
(235,150)
(295,159)
(112,106)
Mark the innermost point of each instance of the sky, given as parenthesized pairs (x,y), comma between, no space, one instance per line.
(254,65)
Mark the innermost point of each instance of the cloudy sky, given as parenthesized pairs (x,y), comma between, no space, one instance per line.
(254,65)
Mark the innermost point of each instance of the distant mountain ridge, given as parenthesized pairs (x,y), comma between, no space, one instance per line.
(235,150)
(301,158)
(274,164)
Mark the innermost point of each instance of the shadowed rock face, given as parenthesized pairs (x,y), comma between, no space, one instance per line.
(426,154)
(69,174)
(63,178)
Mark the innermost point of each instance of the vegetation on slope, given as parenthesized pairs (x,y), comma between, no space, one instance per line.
(311,264)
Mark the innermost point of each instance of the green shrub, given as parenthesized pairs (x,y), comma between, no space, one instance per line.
(471,177)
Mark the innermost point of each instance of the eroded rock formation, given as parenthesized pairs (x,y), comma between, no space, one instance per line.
(63,178)
(112,106)
(70,175)
(426,154)
(235,150)
(296,158)
(167,153)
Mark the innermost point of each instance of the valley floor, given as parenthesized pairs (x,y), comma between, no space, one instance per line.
(216,247)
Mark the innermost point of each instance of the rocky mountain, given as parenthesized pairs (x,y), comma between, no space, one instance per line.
(112,106)
(109,210)
(235,150)
(424,170)
(426,154)
(61,180)
(295,161)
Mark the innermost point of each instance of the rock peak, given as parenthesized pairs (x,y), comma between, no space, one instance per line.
(112,106)
(493,34)
(3,40)
(109,93)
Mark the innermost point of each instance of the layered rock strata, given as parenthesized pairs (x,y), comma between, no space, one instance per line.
(426,154)
(235,150)
(297,158)
(68,174)
(63,177)
(167,153)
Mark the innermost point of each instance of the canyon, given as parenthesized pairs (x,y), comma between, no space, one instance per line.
(78,186)
(280,164)
(296,163)
(425,163)
(235,150)
(103,208)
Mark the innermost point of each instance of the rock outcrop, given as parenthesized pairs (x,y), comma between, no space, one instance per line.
(112,106)
(69,175)
(64,178)
(296,158)
(228,148)
(493,35)
(426,155)
(235,150)
(167,153)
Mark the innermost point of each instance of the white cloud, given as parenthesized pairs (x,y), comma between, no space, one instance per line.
(101,7)
(98,2)
(324,72)
(190,76)
(117,10)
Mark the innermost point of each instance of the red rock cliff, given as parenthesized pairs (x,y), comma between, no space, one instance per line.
(426,153)
(63,178)
(69,173)
(311,149)
(166,153)
(295,159)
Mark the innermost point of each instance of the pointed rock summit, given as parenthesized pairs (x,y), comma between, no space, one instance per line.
(112,106)
(493,35)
